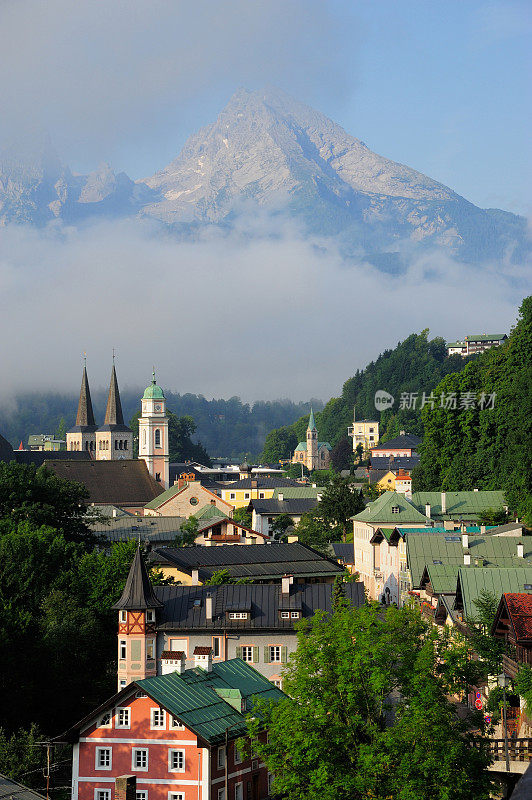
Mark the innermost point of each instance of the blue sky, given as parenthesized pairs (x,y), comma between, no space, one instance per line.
(442,86)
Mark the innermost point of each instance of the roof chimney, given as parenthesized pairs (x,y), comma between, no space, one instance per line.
(467,558)
(208,607)
(280,496)
(173,661)
(465,540)
(427,510)
(443,503)
(203,658)
(286,582)
(520,550)
(195,577)
(401,433)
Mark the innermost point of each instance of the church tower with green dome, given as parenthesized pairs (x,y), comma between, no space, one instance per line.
(153,433)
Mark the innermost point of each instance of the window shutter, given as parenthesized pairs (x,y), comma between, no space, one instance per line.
(284,654)
(255,655)
(266,655)
(238,652)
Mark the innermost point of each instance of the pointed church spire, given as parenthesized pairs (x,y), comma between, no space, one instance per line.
(85,416)
(113,412)
(311,423)
(138,593)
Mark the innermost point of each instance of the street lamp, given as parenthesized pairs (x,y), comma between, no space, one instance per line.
(504,681)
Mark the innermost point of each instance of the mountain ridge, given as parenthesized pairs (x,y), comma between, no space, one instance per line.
(269,151)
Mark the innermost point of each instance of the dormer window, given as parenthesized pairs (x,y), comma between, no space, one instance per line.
(238,615)
(285,615)
(395,509)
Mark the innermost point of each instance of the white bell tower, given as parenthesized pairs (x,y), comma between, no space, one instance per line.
(153,434)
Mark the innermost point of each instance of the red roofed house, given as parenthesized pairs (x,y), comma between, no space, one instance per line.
(513,623)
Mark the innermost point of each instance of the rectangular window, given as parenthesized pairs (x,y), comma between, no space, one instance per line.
(105,720)
(232,496)
(150,615)
(247,653)
(123,717)
(158,721)
(239,791)
(176,796)
(275,653)
(261,495)
(237,755)
(141,794)
(221,757)
(181,645)
(175,725)
(102,794)
(123,616)
(221,794)
(139,758)
(285,615)
(295,614)
(238,615)
(176,760)
(122,683)
(123,649)
(140,694)
(216,646)
(150,649)
(104,758)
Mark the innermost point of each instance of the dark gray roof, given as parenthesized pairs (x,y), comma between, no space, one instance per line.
(177,469)
(138,593)
(292,505)
(261,483)
(39,457)
(256,561)
(344,551)
(404,440)
(10,788)
(6,450)
(85,416)
(184,606)
(114,419)
(396,462)
(152,530)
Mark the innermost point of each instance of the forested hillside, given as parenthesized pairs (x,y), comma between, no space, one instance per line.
(224,427)
(468,448)
(415,365)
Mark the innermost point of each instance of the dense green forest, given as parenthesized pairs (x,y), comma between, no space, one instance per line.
(415,365)
(228,428)
(490,448)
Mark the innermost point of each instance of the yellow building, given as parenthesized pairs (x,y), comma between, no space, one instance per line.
(398,481)
(240,493)
(364,432)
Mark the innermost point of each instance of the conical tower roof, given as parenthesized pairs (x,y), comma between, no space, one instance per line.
(114,419)
(311,423)
(138,593)
(85,417)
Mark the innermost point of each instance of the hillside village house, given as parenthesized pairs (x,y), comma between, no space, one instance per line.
(403,446)
(158,626)
(196,565)
(174,736)
(364,432)
(240,493)
(185,500)
(476,343)
(381,531)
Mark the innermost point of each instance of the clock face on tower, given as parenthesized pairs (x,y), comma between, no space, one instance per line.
(158,407)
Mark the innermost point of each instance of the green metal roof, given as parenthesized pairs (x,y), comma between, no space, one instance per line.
(196,697)
(209,512)
(380,510)
(297,492)
(486,337)
(302,446)
(153,391)
(311,423)
(423,549)
(442,578)
(472,581)
(458,504)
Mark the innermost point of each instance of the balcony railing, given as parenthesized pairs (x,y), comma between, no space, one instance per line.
(518,749)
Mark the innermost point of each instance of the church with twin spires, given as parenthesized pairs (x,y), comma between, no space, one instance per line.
(114,439)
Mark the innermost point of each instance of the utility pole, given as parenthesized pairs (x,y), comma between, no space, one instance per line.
(503,682)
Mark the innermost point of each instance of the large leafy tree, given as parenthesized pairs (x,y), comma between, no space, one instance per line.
(366,715)
(279,444)
(38,496)
(342,455)
(339,502)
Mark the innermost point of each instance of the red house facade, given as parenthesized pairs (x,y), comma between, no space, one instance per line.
(176,734)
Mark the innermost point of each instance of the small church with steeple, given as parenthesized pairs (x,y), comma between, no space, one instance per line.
(111,441)
(312,453)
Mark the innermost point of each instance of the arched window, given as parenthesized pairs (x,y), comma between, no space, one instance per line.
(157,437)
(121,444)
(125,444)
(116,444)
(86,445)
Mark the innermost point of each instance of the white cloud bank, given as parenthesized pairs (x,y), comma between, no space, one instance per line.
(229,315)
